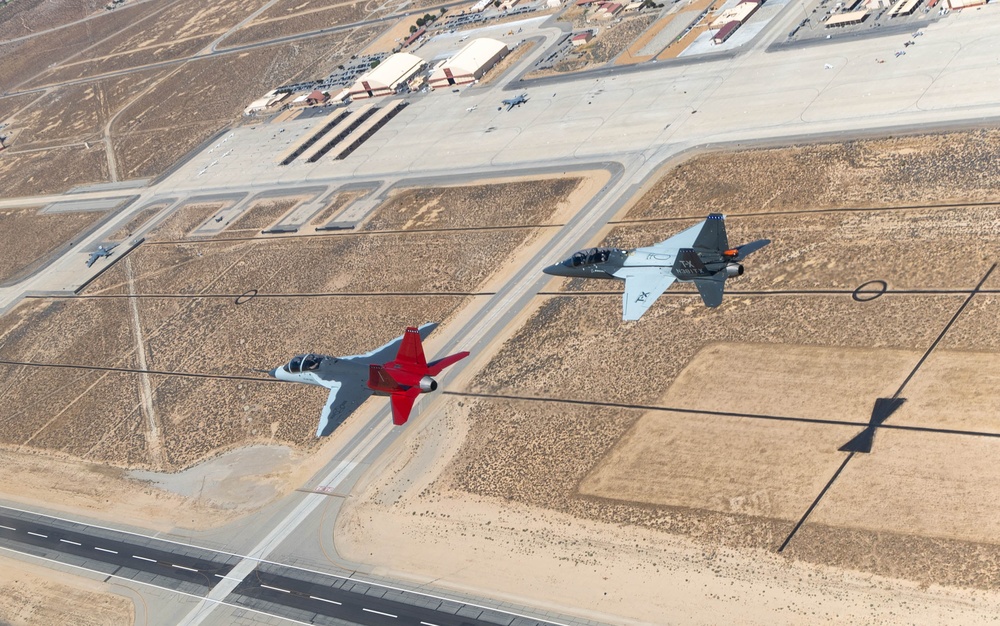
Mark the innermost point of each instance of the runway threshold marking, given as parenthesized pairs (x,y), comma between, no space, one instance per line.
(379,612)
(276,588)
(38,535)
(71,542)
(142,558)
(105,550)
(325,600)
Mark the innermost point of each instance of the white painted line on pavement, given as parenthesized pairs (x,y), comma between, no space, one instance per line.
(7,527)
(142,558)
(38,535)
(190,569)
(378,612)
(427,624)
(276,588)
(105,550)
(228,578)
(72,542)
(325,600)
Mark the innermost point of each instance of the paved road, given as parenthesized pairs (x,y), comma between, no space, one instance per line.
(270,588)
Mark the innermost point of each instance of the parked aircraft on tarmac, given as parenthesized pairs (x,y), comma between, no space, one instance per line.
(102,251)
(700,254)
(516,101)
(353,379)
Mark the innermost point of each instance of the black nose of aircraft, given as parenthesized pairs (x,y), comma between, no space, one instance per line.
(559,269)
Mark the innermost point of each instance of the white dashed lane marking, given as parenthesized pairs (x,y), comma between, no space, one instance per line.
(379,612)
(325,600)
(427,624)
(105,550)
(275,588)
(68,541)
(7,527)
(142,558)
(190,569)
(227,577)
(38,535)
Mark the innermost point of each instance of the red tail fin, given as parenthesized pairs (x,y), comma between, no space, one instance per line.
(402,404)
(435,367)
(411,350)
(379,379)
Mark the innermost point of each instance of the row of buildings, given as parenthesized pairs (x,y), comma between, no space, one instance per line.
(397,73)
(729,21)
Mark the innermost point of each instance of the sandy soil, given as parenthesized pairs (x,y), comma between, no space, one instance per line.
(31,594)
(513,57)
(413,522)
(613,40)
(51,171)
(27,238)
(525,202)
(137,222)
(336,204)
(27,17)
(183,220)
(259,216)
(881,172)
(283,20)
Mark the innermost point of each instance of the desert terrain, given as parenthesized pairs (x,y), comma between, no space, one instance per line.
(30,594)
(701,435)
(28,237)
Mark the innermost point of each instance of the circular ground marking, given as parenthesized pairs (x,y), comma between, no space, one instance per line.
(863,294)
(249,295)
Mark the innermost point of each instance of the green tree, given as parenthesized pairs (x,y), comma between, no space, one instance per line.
(413,29)
(421,21)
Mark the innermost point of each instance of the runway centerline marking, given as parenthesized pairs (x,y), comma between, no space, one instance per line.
(38,535)
(72,542)
(142,558)
(276,588)
(379,612)
(105,550)
(325,600)
(190,569)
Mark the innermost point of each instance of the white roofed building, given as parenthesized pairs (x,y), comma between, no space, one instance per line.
(470,63)
(387,76)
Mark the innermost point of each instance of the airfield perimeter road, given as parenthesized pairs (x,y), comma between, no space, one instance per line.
(630,125)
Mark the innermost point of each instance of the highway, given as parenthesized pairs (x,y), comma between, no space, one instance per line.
(269,588)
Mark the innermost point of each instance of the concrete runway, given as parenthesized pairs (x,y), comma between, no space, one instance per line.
(631,123)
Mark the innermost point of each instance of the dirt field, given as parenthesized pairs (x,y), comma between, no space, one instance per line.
(27,238)
(29,57)
(78,112)
(183,220)
(882,172)
(137,222)
(51,171)
(283,19)
(259,216)
(503,204)
(497,71)
(30,595)
(338,203)
(27,17)
(417,263)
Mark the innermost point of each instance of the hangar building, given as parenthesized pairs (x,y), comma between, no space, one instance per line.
(470,63)
(386,77)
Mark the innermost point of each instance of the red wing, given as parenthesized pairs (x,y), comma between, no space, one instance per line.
(379,379)
(411,350)
(402,404)
(435,367)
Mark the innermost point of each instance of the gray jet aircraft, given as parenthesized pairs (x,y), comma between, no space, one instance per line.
(102,251)
(700,254)
(353,379)
(516,101)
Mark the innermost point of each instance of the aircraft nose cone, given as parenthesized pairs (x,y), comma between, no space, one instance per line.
(273,373)
(556,270)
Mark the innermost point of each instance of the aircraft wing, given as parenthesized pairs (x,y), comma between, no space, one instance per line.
(643,285)
(339,405)
(388,352)
(683,239)
(92,259)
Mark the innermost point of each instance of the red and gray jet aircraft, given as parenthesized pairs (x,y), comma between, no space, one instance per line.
(700,254)
(353,379)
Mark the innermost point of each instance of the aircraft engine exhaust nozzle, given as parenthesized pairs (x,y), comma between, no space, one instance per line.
(428,384)
(734,269)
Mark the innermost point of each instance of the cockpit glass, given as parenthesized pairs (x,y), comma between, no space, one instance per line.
(303,363)
(588,257)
